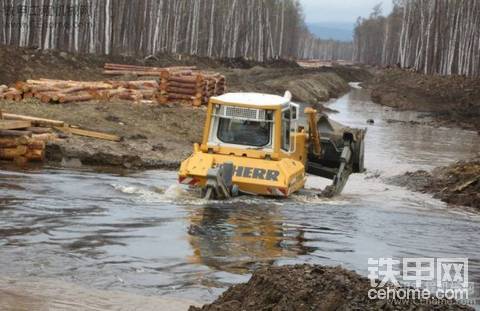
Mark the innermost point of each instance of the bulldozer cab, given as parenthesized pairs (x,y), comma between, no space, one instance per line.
(259,124)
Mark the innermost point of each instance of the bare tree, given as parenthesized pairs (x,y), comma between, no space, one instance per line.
(254,29)
(431,36)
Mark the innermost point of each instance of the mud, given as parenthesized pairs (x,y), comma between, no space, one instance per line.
(457,184)
(153,136)
(30,63)
(451,100)
(306,287)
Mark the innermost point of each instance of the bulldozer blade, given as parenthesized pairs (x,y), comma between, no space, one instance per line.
(342,173)
(219,182)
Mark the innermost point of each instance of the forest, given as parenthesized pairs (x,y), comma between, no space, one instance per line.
(254,29)
(429,36)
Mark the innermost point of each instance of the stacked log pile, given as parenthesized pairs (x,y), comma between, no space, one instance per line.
(22,146)
(23,138)
(197,88)
(170,84)
(181,83)
(63,91)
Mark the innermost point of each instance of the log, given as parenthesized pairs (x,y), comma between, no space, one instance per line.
(12,153)
(35,154)
(14,124)
(197,102)
(191,92)
(39,130)
(87,133)
(62,84)
(194,79)
(130,96)
(147,102)
(38,95)
(141,84)
(75,89)
(74,98)
(43,88)
(183,85)
(131,72)
(47,137)
(180,96)
(146,92)
(27,95)
(46,98)
(161,99)
(114,92)
(12,94)
(36,144)
(22,86)
(11,142)
(144,68)
(14,133)
(34,120)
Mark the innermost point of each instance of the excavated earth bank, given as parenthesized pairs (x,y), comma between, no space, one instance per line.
(306,287)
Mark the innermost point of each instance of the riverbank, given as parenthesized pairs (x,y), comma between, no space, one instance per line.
(307,287)
(457,184)
(452,101)
(153,136)
(449,101)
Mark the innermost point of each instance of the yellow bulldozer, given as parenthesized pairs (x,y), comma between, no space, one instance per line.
(263,144)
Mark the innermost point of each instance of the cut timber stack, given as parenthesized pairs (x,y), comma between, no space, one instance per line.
(195,88)
(63,91)
(180,83)
(23,138)
(19,141)
(170,84)
(182,88)
(21,146)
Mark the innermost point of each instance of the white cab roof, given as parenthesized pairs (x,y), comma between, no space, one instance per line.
(253,99)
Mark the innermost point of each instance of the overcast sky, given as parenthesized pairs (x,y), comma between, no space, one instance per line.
(340,10)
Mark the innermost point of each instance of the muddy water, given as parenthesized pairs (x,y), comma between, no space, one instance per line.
(99,240)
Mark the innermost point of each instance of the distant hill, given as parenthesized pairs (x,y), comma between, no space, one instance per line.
(332,30)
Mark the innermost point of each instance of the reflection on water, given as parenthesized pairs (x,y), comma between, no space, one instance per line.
(237,239)
(100,233)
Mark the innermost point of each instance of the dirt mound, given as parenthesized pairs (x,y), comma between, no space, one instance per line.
(453,100)
(457,184)
(306,287)
(31,63)
(243,63)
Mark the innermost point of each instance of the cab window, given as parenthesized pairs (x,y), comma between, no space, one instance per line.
(244,132)
(286,122)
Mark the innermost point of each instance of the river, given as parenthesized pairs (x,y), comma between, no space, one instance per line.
(102,240)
